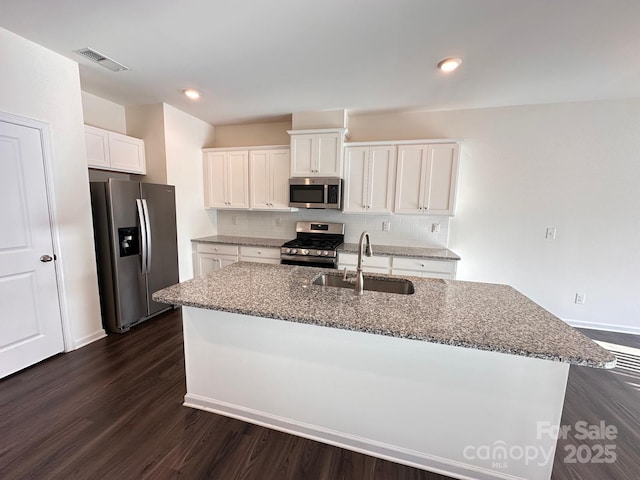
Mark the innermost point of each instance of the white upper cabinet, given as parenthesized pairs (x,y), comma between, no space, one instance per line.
(226,179)
(114,151)
(369,179)
(269,179)
(426,179)
(97,141)
(317,153)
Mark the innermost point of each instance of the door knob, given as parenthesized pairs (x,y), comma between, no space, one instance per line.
(46,258)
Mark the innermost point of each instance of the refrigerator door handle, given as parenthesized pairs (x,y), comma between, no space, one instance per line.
(143,236)
(148,231)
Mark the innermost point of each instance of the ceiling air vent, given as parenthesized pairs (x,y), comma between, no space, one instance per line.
(101,59)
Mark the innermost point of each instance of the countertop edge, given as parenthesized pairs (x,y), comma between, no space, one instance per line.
(451,343)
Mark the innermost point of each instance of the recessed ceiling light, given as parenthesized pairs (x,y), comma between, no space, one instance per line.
(191,93)
(449,64)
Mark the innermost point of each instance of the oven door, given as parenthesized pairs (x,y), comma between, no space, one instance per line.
(322,262)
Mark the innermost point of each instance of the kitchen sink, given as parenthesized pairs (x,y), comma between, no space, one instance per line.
(376,284)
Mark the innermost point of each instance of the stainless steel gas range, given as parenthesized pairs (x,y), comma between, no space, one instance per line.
(315,245)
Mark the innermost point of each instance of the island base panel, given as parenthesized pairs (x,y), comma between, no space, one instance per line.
(457,411)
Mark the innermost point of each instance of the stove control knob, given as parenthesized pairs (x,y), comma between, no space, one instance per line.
(325,253)
(285,250)
(293,251)
(304,252)
(318,252)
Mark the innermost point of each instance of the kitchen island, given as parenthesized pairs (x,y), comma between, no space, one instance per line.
(434,379)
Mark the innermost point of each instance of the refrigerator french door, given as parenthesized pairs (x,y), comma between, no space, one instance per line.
(136,248)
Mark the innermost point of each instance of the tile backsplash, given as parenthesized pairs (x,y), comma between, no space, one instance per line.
(406,230)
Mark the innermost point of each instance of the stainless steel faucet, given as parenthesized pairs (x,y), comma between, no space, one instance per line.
(358,288)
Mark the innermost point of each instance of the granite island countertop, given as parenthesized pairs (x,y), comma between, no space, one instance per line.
(465,314)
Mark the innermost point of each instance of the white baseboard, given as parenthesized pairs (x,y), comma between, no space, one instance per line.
(365,446)
(603,326)
(84,341)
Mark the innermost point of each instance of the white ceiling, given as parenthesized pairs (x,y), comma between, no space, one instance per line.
(256,60)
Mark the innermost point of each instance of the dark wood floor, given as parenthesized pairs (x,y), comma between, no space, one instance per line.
(113,410)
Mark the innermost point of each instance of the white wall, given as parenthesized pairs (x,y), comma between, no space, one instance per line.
(573,166)
(103,113)
(40,84)
(147,122)
(185,137)
(253,134)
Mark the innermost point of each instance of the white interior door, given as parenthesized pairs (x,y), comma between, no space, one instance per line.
(30,322)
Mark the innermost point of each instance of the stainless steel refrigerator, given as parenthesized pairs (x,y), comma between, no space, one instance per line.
(136,248)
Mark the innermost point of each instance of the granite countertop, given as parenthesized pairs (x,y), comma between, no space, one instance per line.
(245,241)
(465,314)
(417,252)
(387,250)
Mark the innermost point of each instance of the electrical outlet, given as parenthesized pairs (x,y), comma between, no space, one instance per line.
(277,222)
(435,228)
(550,233)
(386,226)
(580,298)
(235,220)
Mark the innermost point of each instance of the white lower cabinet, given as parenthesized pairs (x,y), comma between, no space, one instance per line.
(375,264)
(414,267)
(260,254)
(420,267)
(209,257)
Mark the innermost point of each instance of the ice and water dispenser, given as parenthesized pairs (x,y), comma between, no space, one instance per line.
(128,241)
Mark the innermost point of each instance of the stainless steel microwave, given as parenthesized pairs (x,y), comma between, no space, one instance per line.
(317,192)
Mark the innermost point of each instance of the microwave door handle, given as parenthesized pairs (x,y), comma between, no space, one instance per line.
(326,194)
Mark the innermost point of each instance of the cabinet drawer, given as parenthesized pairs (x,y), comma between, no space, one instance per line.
(217,248)
(260,252)
(375,261)
(414,273)
(365,269)
(423,265)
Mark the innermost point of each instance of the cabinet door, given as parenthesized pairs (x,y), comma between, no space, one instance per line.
(238,179)
(260,179)
(356,175)
(441,183)
(329,155)
(224,261)
(97,141)
(303,160)
(215,180)
(381,179)
(127,153)
(207,263)
(280,163)
(410,178)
